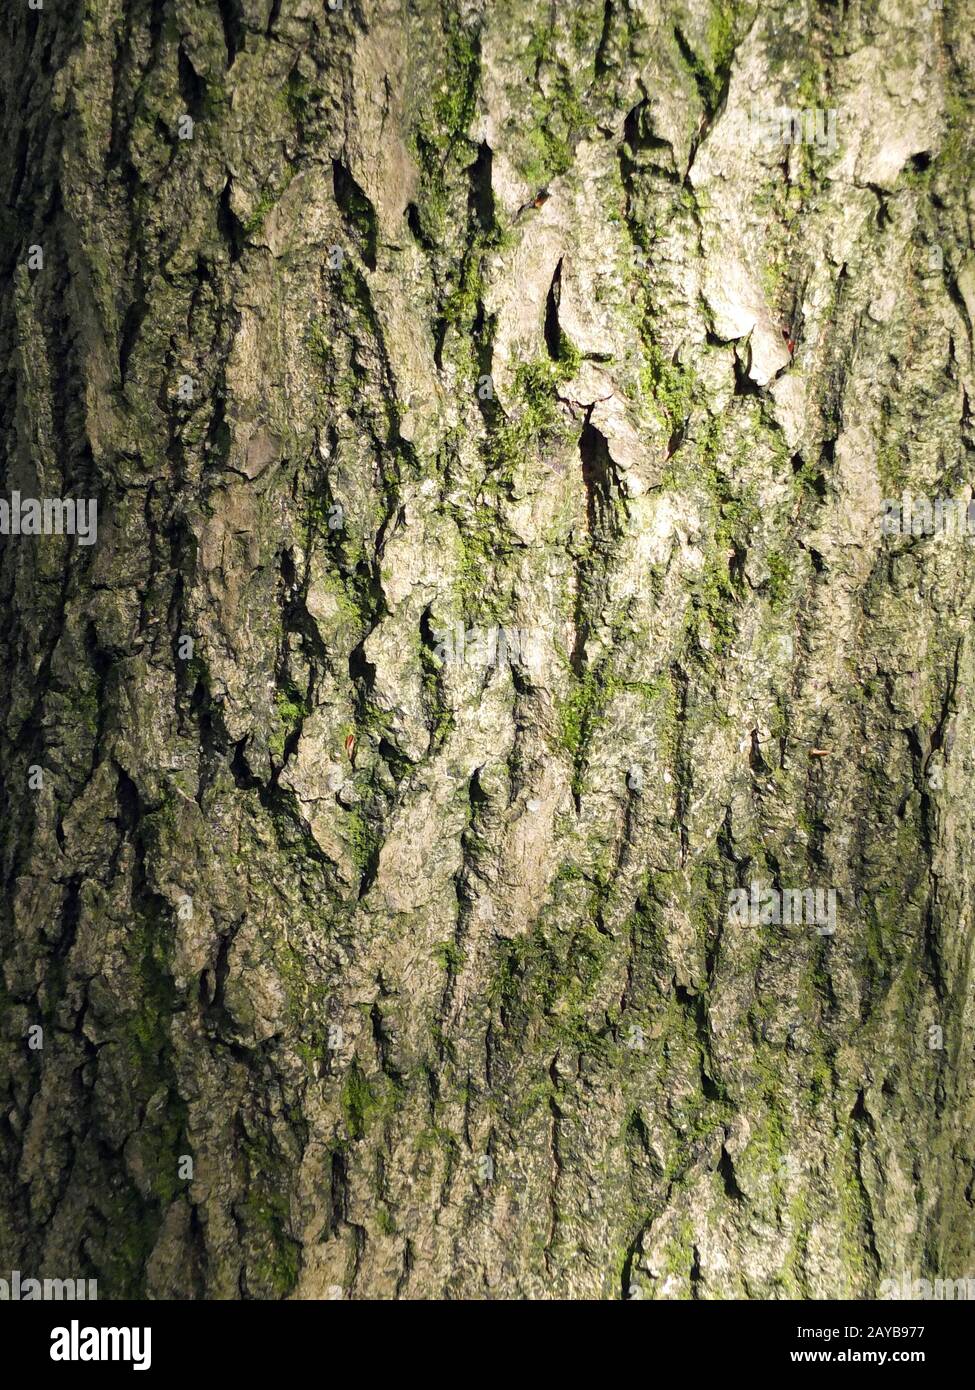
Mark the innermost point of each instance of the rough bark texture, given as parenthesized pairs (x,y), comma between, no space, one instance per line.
(427,963)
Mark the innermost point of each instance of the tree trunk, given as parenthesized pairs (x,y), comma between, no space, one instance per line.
(494,419)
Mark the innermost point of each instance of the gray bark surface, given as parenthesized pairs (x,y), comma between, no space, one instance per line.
(496,316)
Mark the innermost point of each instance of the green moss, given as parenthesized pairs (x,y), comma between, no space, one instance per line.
(477,555)
(582,711)
(769,1142)
(265,203)
(716,599)
(449,955)
(780,580)
(545,984)
(272,1255)
(131,1230)
(735,515)
(359,1102)
(319,343)
(710,70)
(367,1101)
(83,700)
(548,153)
(679,1252)
(143,1038)
(559,114)
(536,417)
(359,213)
(361,837)
(721,36)
(461,304)
(569,359)
(800,1222)
(439,132)
(297,96)
(384,1221)
(855,1222)
(667,387)
(291,709)
(435,1137)
(456,101)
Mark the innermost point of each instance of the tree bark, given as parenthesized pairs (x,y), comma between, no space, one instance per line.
(491,421)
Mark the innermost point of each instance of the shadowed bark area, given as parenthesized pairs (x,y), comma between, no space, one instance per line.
(491,421)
